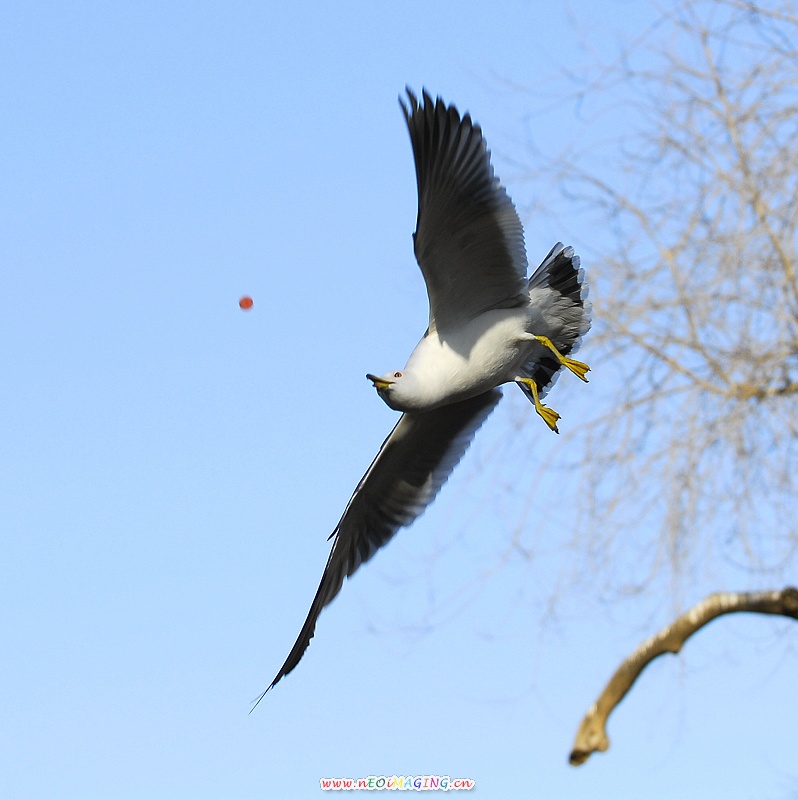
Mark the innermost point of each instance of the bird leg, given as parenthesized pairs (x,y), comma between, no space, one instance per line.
(579,368)
(550,416)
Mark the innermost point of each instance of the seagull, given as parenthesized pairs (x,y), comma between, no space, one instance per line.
(488,325)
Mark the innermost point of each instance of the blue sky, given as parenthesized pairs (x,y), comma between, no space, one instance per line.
(170,466)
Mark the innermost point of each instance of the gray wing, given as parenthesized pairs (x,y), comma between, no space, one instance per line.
(469,241)
(409,470)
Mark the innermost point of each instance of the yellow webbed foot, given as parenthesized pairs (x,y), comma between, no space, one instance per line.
(549,415)
(579,368)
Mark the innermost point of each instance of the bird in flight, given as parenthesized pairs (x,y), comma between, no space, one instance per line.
(488,325)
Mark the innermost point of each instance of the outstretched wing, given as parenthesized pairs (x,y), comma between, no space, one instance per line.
(469,241)
(413,463)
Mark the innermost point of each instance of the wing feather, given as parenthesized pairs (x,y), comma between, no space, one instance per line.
(469,241)
(408,472)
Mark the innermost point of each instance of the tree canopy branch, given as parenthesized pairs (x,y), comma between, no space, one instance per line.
(592,733)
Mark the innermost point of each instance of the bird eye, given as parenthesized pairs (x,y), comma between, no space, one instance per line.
(397,374)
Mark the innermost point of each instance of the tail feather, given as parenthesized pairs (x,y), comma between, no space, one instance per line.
(560,272)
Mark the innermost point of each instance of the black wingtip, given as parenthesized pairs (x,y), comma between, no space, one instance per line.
(407,109)
(437,110)
(412,105)
(257,702)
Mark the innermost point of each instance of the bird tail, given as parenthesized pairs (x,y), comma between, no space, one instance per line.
(561,280)
(561,270)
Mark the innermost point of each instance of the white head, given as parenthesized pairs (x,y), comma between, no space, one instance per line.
(399,390)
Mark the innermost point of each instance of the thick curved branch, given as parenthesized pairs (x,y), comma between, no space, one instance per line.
(592,733)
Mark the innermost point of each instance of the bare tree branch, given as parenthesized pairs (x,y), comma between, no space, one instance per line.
(592,733)
(689,196)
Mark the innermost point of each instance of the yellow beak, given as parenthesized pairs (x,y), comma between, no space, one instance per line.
(379,383)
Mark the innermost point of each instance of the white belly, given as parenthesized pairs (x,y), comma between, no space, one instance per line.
(486,353)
